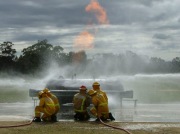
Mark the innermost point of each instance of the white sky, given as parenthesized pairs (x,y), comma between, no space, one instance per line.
(148,27)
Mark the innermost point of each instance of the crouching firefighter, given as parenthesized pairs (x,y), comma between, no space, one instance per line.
(80,102)
(96,87)
(100,109)
(56,103)
(45,109)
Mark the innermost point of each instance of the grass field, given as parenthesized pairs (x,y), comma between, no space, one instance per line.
(11,94)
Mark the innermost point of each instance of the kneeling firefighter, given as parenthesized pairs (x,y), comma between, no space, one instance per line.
(46,108)
(100,109)
(96,87)
(56,103)
(81,101)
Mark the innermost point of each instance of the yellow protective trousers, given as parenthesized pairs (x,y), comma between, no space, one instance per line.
(41,110)
(101,112)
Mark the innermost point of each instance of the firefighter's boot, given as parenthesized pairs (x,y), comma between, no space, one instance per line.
(37,119)
(76,116)
(111,117)
(54,118)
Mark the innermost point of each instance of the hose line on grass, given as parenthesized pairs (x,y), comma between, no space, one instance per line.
(115,127)
(18,125)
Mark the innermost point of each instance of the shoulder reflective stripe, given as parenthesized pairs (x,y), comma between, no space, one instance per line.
(50,104)
(79,110)
(102,104)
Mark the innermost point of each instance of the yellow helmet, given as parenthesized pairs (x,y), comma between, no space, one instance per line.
(46,90)
(40,93)
(91,92)
(96,83)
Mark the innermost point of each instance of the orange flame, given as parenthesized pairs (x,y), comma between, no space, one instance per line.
(84,40)
(99,11)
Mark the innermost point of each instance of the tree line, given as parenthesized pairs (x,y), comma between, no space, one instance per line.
(40,55)
(35,57)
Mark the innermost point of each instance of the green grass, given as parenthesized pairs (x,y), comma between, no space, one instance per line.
(10,94)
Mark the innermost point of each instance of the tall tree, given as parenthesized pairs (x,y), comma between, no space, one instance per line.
(176,64)
(59,56)
(7,55)
(6,50)
(35,56)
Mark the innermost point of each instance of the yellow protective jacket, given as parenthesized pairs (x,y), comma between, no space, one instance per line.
(99,91)
(48,105)
(100,108)
(81,102)
(56,102)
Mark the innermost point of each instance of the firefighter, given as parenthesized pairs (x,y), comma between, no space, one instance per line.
(56,103)
(100,109)
(46,108)
(80,102)
(96,87)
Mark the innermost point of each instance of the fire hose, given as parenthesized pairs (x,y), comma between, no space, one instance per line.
(29,123)
(114,127)
(18,125)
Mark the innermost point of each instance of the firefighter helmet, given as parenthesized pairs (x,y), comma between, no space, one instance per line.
(96,83)
(46,90)
(91,92)
(83,87)
(40,93)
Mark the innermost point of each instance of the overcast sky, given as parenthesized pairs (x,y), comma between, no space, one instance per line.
(147,27)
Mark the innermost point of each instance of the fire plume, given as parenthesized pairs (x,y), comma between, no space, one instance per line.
(84,40)
(99,11)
